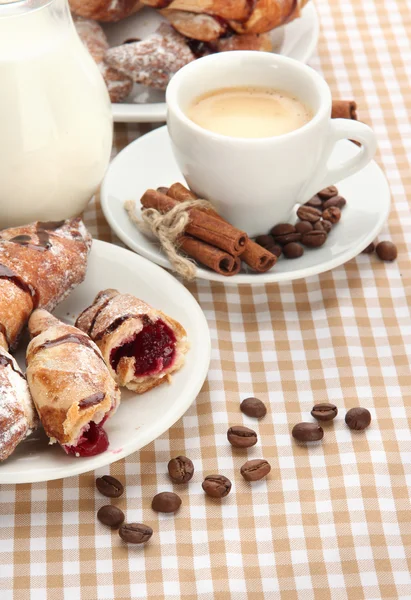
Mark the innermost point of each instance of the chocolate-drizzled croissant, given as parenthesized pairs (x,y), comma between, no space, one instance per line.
(39,265)
(71,386)
(207,20)
(141,345)
(18,416)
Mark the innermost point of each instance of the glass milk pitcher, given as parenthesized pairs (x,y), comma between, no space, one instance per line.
(55,115)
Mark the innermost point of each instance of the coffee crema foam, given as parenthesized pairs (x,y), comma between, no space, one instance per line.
(249,112)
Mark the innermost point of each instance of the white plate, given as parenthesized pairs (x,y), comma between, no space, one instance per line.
(297,40)
(139,419)
(148,162)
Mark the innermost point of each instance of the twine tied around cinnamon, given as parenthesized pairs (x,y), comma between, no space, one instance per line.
(168,227)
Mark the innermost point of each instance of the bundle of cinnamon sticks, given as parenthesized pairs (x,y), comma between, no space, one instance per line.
(208,238)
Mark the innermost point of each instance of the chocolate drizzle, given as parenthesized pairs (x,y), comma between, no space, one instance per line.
(69,338)
(92,400)
(97,313)
(5,361)
(42,233)
(6,273)
(117,322)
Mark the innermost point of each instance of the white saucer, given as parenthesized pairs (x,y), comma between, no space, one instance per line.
(148,162)
(297,39)
(139,419)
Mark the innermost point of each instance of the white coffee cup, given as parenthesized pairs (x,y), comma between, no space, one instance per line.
(255,183)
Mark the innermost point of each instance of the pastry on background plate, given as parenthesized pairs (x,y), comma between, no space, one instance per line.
(18,417)
(104,10)
(40,264)
(141,345)
(70,384)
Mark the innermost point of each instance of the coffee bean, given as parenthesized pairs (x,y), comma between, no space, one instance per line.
(241,437)
(253,407)
(303,226)
(324,411)
(307,432)
(180,469)
(216,486)
(276,250)
(111,516)
(109,486)
(166,502)
(358,418)
(284,233)
(293,250)
(315,202)
(386,251)
(369,249)
(266,241)
(323,226)
(337,201)
(332,214)
(135,533)
(282,229)
(328,192)
(314,239)
(308,213)
(254,470)
(288,238)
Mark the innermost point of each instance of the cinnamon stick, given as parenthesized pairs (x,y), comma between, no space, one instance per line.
(205,227)
(219,261)
(344,109)
(253,255)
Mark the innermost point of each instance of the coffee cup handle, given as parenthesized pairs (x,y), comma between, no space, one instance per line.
(341,129)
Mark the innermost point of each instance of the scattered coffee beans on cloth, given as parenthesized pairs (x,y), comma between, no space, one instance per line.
(253,407)
(254,470)
(166,502)
(241,437)
(307,432)
(358,418)
(216,486)
(386,251)
(324,411)
(109,486)
(111,516)
(180,469)
(135,533)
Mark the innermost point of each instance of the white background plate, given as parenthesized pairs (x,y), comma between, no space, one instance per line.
(148,162)
(297,40)
(139,419)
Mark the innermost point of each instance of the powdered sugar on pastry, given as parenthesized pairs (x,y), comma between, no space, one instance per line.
(154,61)
(18,417)
(40,264)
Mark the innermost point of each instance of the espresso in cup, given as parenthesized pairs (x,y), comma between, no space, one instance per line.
(249,112)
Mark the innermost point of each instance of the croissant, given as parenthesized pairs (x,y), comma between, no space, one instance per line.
(39,265)
(207,20)
(104,10)
(141,346)
(71,386)
(18,416)
(93,37)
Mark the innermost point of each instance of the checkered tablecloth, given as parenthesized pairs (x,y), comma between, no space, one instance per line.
(332,522)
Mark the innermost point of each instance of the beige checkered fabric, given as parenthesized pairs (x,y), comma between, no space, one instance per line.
(332,522)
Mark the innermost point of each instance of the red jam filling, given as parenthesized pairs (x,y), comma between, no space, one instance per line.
(91,442)
(153,348)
